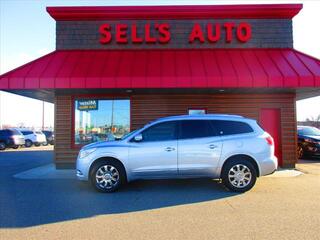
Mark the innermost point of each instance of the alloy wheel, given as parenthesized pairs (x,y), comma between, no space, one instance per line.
(2,146)
(107,177)
(239,176)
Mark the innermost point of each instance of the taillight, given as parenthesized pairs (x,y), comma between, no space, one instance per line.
(269,140)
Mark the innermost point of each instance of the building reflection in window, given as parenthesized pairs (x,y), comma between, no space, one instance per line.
(101,120)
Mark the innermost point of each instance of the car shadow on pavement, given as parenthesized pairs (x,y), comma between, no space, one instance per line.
(33,203)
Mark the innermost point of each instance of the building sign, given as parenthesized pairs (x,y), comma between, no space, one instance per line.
(160,33)
(87,105)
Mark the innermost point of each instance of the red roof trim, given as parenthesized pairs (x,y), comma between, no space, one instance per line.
(266,68)
(175,12)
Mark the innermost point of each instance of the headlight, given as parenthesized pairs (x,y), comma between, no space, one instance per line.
(84,153)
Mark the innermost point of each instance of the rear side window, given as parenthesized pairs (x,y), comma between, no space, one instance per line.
(26,132)
(14,132)
(195,129)
(224,127)
(160,132)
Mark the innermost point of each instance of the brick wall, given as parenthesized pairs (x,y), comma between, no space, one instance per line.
(266,33)
(145,108)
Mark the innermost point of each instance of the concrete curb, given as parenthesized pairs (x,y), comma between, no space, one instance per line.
(285,173)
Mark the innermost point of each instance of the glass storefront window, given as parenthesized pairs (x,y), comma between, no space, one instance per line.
(100,120)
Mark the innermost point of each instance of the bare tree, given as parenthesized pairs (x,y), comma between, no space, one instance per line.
(314,121)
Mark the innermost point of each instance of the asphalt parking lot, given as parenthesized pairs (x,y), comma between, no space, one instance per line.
(276,208)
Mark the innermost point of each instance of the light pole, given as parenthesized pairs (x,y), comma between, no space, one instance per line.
(42,115)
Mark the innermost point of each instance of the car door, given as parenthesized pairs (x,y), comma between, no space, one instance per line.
(199,148)
(155,155)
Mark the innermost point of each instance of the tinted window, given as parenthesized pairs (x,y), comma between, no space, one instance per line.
(26,132)
(231,127)
(15,132)
(195,129)
(47,133)
(160,132)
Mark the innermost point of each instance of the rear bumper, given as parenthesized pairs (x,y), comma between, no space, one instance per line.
(268,166)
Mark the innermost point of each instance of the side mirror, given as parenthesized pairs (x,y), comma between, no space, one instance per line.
(138,138)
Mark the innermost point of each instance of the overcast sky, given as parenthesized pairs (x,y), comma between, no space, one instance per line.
(28,32)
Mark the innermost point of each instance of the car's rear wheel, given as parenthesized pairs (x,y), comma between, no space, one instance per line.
(2,147)
(15,147)
(45,144)
(107,176)
(37,144)
(239,175)
(28,143)
(300,152)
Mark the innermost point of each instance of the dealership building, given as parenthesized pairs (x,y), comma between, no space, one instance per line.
(117,68)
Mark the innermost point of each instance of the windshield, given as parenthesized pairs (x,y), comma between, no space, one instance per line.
(309,131)
(128,134)
(15,132)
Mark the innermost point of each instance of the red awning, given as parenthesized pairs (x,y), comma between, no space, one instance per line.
(171,68)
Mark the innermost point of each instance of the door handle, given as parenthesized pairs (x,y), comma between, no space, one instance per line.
(169,149)
(212,146)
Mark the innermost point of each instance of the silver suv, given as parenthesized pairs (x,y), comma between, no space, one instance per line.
(228,147)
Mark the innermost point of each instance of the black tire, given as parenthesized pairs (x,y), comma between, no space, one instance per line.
(28,143)
(111,187)
(2,146)
(243,165)
(45,144)
(15,147)
(37,144)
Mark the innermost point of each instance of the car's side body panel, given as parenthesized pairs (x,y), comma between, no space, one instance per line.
(153,159)
(199,156)
(186,158)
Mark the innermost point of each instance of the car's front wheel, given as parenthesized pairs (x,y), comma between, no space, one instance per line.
(28,143)
(107,176)
(239,175)
(2,146)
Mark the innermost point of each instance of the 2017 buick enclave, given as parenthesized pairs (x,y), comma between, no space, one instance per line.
(228,147)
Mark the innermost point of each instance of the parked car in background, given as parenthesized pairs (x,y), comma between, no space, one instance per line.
(33,137)
(308,142)
(231,148)
(49,137)
(11,138)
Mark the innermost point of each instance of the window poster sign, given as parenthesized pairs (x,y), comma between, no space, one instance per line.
(87,105)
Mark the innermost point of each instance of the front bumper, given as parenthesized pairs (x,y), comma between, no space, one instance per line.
(312,150)
(80,176)
(83,165)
